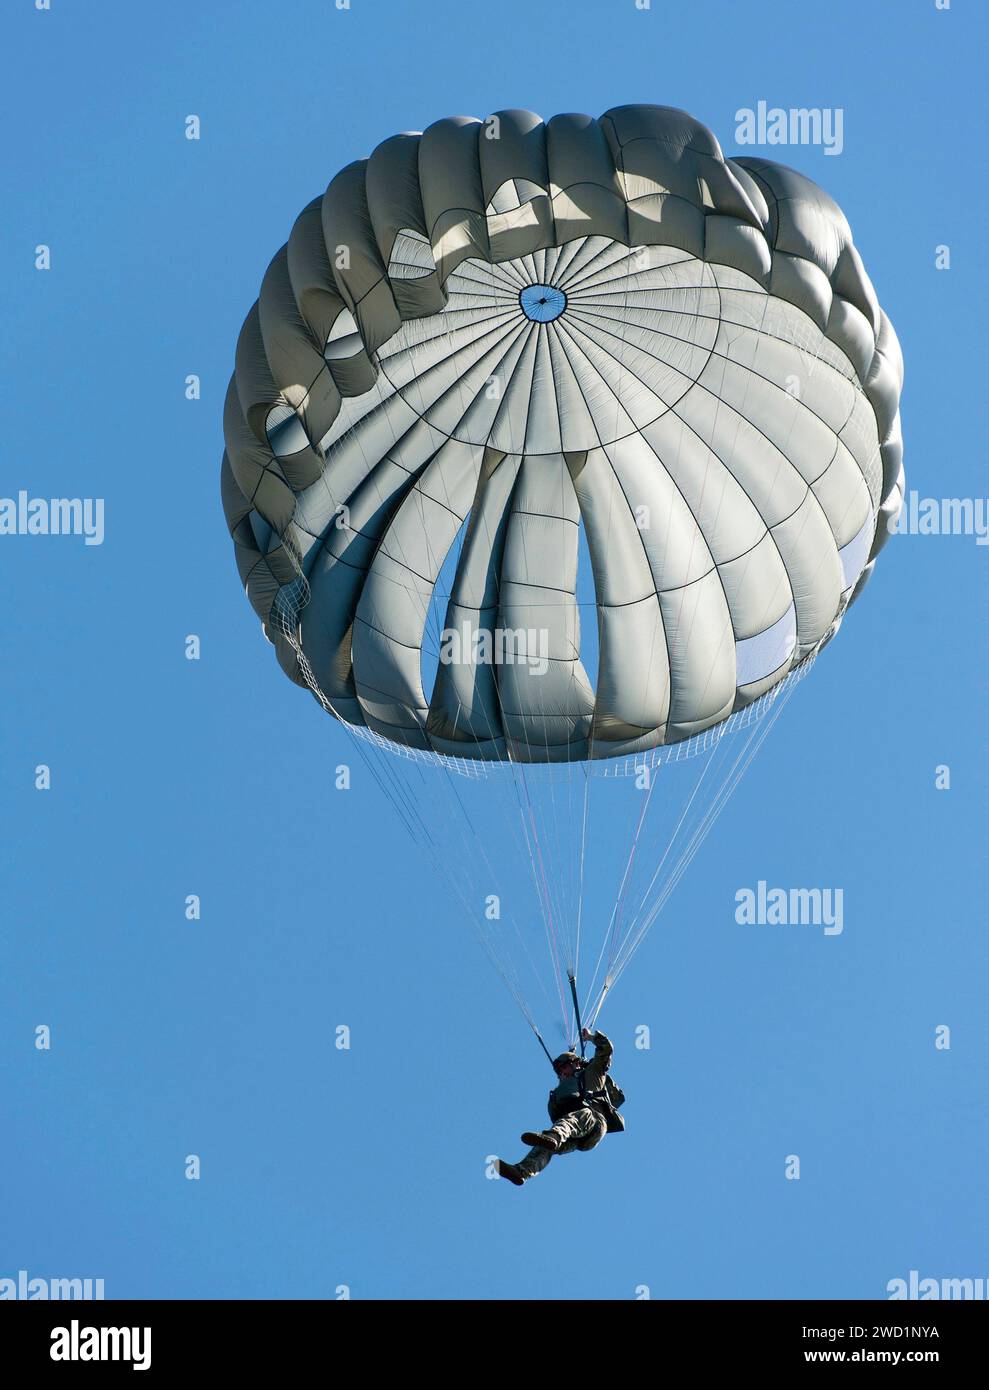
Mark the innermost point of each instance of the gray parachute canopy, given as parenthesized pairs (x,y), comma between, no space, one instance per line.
(494,347)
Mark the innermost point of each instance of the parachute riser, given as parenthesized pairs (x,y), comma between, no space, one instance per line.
(576,1010)
(539,1040)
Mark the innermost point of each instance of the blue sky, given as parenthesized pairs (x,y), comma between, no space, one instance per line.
(366,1168)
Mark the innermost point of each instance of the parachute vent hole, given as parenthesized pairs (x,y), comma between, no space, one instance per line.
(542,303)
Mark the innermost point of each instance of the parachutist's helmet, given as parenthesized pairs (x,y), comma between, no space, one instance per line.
(566,1059)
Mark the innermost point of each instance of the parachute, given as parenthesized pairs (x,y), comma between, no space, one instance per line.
(555,454)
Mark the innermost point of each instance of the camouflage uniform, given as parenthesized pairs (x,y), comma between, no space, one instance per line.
(578,1124)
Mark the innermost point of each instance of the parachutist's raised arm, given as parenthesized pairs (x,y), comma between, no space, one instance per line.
(600,1062)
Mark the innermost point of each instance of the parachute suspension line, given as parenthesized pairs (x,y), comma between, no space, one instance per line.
(616,911)
(382,770)
(504,968)
(465,817)
(744,760)
(287,623)
(671,841)
(624,952)
(557,858)
(752,745)
(759,733)
(420,835)
(508,977)
(583,852)
(539,1040)
(571,867)
(542,887)
(509,821)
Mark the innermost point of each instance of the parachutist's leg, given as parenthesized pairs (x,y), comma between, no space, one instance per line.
(534,1162)
(576,1129)
(594,1138)
(541,1139)
(582,1129)
(511,1172)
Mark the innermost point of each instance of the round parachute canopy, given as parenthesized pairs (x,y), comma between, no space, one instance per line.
(496,353)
